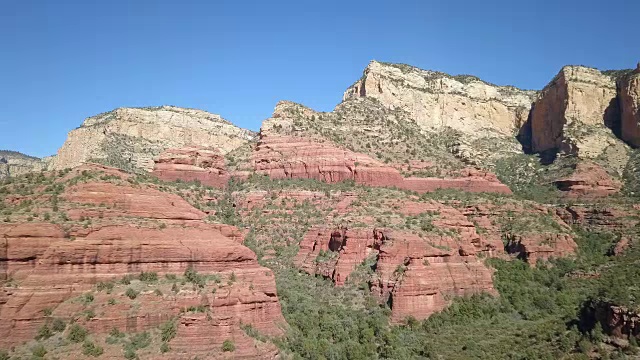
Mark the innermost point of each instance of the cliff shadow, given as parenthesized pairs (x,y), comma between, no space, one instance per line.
(524,134)
(613,117)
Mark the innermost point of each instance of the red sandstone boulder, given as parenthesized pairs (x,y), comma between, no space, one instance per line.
(589,180)
(192,164)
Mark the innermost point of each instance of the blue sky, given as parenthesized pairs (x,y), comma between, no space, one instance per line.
(62,61)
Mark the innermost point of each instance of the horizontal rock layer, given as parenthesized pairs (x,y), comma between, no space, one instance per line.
(283,157)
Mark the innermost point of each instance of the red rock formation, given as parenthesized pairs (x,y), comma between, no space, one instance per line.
(415,275)
(618,321)
(192,164)
(470,184)
(629,99)
(600,218)
(589,180)
(22,244)
(282,157)
(111,248)
(533,247)
(621,246)
(116,200)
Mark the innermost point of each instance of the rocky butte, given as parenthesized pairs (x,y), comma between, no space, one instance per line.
(130,137)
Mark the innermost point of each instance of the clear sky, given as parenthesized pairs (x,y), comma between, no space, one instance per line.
(62,61)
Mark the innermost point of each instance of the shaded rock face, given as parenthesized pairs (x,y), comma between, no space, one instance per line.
(13,163)
(288,157)
(588,180)
(629,94)
(437,100)
(573,112)
(414,275)
(600,218)
(54,266)
(534,247)
(192,164)
(129,138)
(618,321)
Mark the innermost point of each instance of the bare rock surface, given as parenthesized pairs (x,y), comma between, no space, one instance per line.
(129,138)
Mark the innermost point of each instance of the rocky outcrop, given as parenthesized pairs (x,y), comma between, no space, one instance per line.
(129,138)
(600,218)
(588,180)
(13,163)
(436,100)
(282,157)
(470,180)
(618,321)
(574,113)
(414,275)
(288,157)
(629,95)
(533,247)
(22,244)
(113,200)
(192,164)
(137,229)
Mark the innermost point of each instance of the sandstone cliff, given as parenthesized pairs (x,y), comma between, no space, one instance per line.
(436,100)
(577,113)
(629,94)
(13,163)
(129,138)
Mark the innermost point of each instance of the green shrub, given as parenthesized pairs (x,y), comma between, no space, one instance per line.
(77,333)
(228,345)
(168,330)
(39,351)
(106,285)
(91,349)
(44,332)
(131,294)
(58,325)
(164,348)
(140,340)
(130,354)
(4,355)
(126,280)
(87,298)
(148,276)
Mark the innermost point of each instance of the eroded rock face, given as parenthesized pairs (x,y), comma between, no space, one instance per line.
(437,100)
(130,138)
(22,244)
(13,163)
(589,180)
(413,274)
(629,95)
(189,164)
(118,201)
(282,157)
(540,246)
(618,321)
(573,112)
(139,229)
